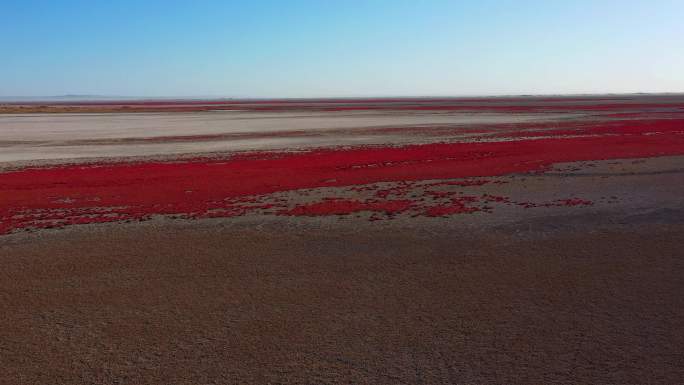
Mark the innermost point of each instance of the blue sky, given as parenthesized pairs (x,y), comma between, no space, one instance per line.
(292,48)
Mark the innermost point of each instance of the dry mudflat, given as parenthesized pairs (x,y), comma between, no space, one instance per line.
(344,302)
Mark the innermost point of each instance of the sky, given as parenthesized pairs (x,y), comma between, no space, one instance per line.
(322,48)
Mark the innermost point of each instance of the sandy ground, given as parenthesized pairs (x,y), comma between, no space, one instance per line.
(313,304)
(523,290)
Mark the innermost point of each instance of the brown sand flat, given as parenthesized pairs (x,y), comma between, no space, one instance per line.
(343,303)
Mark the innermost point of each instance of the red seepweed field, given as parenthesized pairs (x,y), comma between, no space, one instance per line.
(232,185)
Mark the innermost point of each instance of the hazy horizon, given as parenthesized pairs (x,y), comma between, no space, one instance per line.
(83,97)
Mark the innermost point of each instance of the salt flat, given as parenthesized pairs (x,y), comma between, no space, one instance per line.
(31,137)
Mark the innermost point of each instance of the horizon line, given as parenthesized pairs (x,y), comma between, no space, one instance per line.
(90,97)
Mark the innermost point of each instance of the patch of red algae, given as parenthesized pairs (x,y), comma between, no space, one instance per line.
(457,205)
(504,105)
(58,196)
(618,127)
(570,202)
(465,183)
(347,206)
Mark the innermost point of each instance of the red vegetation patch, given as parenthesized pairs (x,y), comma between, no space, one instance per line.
(345,206)
(603,105)
(460,205)
(571,202)
(203,188)
(619,127)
